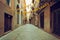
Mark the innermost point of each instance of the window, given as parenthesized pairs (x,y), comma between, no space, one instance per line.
(32,1)
(18,1)
(17,7)
(8,2)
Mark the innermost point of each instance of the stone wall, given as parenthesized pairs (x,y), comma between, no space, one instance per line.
(47,19)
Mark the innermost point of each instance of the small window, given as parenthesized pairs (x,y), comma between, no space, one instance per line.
(8,2)
(17,7)
(32,1)
(18,1)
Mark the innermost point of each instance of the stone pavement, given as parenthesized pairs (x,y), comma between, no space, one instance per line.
(28,32)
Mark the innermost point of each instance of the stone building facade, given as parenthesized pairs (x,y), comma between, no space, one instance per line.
(7,16)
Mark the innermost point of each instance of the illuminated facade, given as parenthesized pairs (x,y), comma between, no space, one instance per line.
(23,11)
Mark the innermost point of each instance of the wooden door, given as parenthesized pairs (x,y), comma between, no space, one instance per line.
(7,22)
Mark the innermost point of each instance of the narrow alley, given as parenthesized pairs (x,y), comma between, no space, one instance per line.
(29,19)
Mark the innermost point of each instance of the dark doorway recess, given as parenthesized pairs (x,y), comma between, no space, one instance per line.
(7,22)
(55,13)
(56,22)
(42,20)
